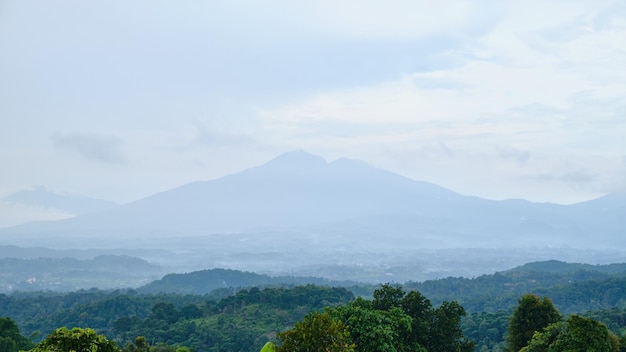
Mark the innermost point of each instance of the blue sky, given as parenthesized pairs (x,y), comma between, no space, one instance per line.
(499,99)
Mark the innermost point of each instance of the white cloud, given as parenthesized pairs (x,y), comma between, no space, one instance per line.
(481,96)
(553,106)
(91,146)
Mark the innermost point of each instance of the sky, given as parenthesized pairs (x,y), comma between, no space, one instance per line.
(499,99)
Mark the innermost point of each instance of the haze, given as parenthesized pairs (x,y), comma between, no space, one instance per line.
(119,100)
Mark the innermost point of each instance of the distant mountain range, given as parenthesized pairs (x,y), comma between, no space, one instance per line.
(299,206)
(298,190)
(41,197)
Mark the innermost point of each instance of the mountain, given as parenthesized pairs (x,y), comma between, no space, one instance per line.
(298,210)
(294,190)
(73,204)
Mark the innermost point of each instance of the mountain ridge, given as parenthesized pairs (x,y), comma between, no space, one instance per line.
(346,202)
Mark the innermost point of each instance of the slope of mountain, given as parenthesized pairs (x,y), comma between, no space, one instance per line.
(44,198)
(294,190)
(298,209)
(205,281)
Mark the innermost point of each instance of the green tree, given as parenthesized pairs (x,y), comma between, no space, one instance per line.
(531,315)
(75,340)
(140,345)
(374,330)
(10,338)
(445,332)
(395,321)
(269,347)
(387,297)
(576,334)
(317,332)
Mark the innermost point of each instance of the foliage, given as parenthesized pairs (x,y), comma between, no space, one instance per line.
(240,322)
(396,321)
(77,340)
(576,334)
(206,281)
(10,338)
(317,332)
(532,314)
(230,319)
(568,285)
(488,330)
(269,347)
(372,329)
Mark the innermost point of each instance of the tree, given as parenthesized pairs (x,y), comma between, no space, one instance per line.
(77,339)
(531,315)
(445,332)
(387,297)
(269,347)
(317,332)
(419,308)
(10,338)
(396,321)
(374,330)
(140,345)
(576,334)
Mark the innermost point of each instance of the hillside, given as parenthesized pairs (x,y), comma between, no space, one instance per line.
(235,314)
(300,214)
(570,285)
(206,281)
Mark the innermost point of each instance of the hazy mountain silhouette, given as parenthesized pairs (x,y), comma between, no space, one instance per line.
(344,200)
(73,204)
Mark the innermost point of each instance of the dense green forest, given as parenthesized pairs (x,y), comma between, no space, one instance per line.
(234,316)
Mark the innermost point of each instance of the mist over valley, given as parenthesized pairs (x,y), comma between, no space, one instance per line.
(300,215)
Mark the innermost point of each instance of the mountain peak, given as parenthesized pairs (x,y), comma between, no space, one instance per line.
(297,159)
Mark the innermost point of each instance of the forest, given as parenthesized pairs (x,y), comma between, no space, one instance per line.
(453,314)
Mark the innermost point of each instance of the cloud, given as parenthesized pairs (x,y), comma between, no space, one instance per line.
(515,85)
(93,147)
(511,153)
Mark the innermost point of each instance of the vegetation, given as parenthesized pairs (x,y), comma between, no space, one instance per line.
(76,339)
(10,338)
(576,334)
(207,281)
(393,322)
(568,285)
(317,332)
(383,318)
(532,315)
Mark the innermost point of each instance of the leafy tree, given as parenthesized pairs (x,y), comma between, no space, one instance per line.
(77,339)
(269,347)
(532,314)
(387,297)
(396,321)
(166,312)
(374,330)
(140,345)
(576,334)
(317,332)
(10,338)
(445,332)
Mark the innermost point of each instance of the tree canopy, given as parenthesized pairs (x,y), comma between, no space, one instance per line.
(317,332)
(393,321)
(575,334)
(76,339)
(532,314)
